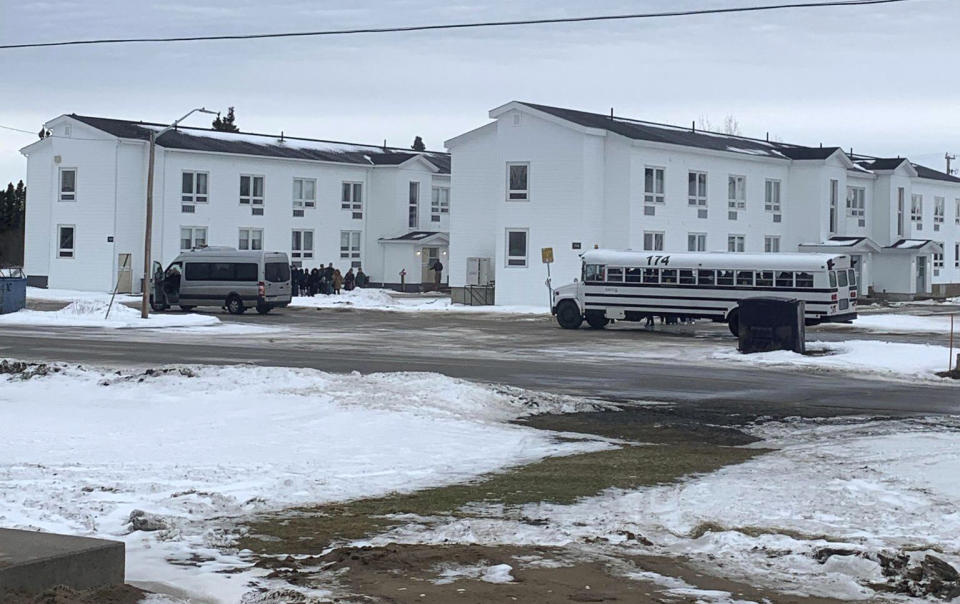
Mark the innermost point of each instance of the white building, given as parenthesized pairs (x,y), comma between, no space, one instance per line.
(540,176)
(386,209)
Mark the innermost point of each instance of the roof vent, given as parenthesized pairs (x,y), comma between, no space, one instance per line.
(280,140)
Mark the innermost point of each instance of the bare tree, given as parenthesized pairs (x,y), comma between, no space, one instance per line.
(731,125)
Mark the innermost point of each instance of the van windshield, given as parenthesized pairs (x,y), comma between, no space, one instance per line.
(276,272)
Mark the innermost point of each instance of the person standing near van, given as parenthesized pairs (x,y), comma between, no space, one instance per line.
(362,278)
(337,281)
(328,278)
(349,280)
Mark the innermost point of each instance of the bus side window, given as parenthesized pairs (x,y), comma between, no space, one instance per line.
(706,277)
(687,277)
(651,275)
(833,278)
(853,277)
(764,278)
(784,279)
(804,279)
(593,272)
(724,277)
(668,275)
(614,274)
(745,278)
(841,279)
(634,275)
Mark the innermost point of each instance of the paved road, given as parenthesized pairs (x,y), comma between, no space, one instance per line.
(624,363)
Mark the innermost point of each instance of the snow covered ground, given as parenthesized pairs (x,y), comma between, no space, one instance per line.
(894,360)
(71,295)
(91,312)
(901,323)
(381,299)
(856,486)
(191,446)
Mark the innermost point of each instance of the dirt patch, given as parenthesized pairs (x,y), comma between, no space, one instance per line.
(118,594)
(540,575)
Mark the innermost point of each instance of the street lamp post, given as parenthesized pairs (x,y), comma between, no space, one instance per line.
(148,231)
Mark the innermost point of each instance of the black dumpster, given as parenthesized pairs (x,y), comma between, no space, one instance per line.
(771,324)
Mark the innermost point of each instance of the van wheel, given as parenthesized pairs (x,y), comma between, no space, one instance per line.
(568,315)
(263,309)
(235,305)
(733,322)
(186,308)
(596,320)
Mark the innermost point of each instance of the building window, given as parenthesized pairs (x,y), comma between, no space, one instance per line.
(916,210)
(439,203)
(194,187)
(413,205)
(736,192)
(771,200)
(653,185)
(938,258)
(304,193)
(301,245)
(771,244)
(192,237)
(251,190)
(696,242)
(856,201)
(736,243)
(250,239)
(65,235)
(518,182)
(517,247)
(68,184)
(938,212)
(901,210)
(653,241)
(350,247)
(834,201)
(697,189)
(351,198)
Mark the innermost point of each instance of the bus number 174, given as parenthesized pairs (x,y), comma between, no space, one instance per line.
(658,260)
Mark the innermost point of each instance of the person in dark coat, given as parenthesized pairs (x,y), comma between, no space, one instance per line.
(362,278)
(349,280)
(314,281)
(294,282)
(328,279)
(437,270)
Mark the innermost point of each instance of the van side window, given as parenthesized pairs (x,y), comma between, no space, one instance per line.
(833,278)
(614,274)
(221,271)
(706,277)
(764,278)
(634,275)
(804,279)
(197,271)
(724,277)
(841,278)
(784,279)
(245,272)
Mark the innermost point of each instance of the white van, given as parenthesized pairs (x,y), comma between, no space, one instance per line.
(225,277)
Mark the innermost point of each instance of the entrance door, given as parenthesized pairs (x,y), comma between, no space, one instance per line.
(428,256)
(921,274)
(856,261)
(124,273)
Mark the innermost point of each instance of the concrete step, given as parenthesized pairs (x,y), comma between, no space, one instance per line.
(33,562)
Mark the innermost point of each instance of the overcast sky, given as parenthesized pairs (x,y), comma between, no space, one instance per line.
(881,79)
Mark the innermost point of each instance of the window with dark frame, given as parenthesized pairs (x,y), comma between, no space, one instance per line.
(65,236)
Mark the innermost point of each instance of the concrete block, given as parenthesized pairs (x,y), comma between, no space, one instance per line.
(34,562)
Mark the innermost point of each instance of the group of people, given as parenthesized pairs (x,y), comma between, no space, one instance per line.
(325,280)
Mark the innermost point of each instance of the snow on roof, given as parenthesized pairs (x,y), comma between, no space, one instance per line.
(910,244)
(719,260)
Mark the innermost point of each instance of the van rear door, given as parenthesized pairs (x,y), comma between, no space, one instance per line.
(276,277)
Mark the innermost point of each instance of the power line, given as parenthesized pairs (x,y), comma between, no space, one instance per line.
(411,28)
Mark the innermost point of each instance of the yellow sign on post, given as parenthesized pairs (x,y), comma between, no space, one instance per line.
(547,254)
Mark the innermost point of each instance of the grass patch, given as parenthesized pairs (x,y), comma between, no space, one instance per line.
(560,480)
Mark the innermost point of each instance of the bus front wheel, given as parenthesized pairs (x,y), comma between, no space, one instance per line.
(568,315)
(733,322)
(596,319)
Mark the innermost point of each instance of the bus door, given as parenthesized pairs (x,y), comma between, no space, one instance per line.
(843,289)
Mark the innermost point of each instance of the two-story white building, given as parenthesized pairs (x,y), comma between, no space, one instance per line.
(385,209)
(540,176)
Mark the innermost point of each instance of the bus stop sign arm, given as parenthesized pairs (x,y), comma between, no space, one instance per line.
(148,230)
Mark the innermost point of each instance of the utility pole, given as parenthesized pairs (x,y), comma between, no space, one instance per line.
(949,159)
(148,230)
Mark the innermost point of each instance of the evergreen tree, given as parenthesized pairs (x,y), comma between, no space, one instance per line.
(7,209)
(20,206)
(226,124)
(418,144)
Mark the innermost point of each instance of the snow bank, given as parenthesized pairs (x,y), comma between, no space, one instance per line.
(896,323)
(81,449)
(885,359)
(381,299)
(71,295)
(856,486)
(91,312)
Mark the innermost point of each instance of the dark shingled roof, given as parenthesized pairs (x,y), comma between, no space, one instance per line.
(882,163)
(925,172)
(268,145)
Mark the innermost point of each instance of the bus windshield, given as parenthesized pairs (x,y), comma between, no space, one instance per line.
(593,272)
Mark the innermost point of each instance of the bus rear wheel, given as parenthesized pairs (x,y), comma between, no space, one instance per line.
(568,315)
(733,322)
(596,319)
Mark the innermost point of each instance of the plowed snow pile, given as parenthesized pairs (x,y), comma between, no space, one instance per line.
(93,313)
